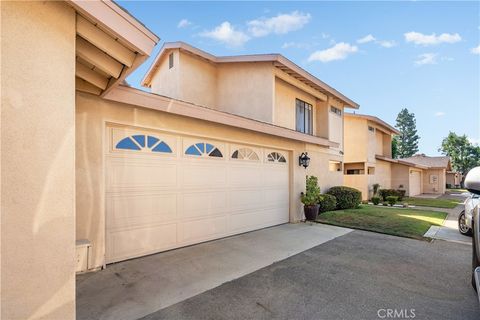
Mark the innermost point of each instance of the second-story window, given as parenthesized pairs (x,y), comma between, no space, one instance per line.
(170,61)
(371,129)
(336,110)
(304,117)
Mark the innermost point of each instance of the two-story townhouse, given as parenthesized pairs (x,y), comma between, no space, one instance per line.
(368,158)
(212,151)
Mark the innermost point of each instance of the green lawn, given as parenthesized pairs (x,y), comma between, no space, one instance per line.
(437,203)
(409,223)
(456,190)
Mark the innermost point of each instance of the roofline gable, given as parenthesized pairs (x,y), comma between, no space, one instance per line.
(276,58)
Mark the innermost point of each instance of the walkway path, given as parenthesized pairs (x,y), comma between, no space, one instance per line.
(449,230)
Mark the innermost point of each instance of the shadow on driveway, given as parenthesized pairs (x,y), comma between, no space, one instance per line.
(355,276)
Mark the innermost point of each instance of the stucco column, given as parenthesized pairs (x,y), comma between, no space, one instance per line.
(37,160)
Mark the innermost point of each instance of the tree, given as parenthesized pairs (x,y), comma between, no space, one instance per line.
(463,154)
(407,140)
(395,147)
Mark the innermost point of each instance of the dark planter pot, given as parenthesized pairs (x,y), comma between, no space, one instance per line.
(311,212)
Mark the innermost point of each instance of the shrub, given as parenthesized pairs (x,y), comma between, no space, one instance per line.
(384,193)
(376,200)
(347,198)
(385,204)
(392,200)
(312,192)
(400,194)
(327,202)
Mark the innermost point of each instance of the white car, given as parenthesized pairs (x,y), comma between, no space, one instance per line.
(465,217)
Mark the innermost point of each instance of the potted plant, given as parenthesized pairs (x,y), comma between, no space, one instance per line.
(310,198)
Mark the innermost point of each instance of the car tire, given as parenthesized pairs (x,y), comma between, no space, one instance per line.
(462,226)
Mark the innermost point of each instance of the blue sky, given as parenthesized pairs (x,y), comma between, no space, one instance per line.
(424,56)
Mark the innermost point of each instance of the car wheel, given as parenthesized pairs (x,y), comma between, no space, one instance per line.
(462,225)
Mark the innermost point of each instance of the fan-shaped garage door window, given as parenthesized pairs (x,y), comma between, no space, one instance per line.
(276,157)
(203,149)
(141,142)
(245,154)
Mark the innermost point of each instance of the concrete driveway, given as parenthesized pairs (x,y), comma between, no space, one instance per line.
(360,275)
(138,287)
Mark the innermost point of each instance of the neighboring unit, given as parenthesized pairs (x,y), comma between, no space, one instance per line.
(368,158)
(453,179)
(434,172)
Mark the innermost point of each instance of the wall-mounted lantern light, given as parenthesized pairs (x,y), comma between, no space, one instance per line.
(304,160)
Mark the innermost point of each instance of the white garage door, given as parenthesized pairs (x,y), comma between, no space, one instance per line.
(415,183)
(166,191)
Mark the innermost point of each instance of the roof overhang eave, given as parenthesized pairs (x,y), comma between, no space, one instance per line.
(132,96)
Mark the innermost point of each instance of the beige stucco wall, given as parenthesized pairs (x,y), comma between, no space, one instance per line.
(359,182)
(387,145)
(246,89)
(285,104)
(356,139)
(197,80)
(322,116)
(383,174)
(37,160)
(320,167)
(452,178)
(166,80)
(335,124)
(378,142)
(438,187)
(400,177)
(92,114)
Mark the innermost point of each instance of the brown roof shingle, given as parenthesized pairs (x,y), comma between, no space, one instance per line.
(432,162)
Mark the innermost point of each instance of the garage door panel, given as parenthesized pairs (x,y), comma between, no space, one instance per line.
(139,241)
(277,197)
(202,204)
(252,220)
(141,175)
(163,202)
(415,183)
(245,176)
(134,210)
(195,176)
(203,229)
(245,199)
(276,176)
